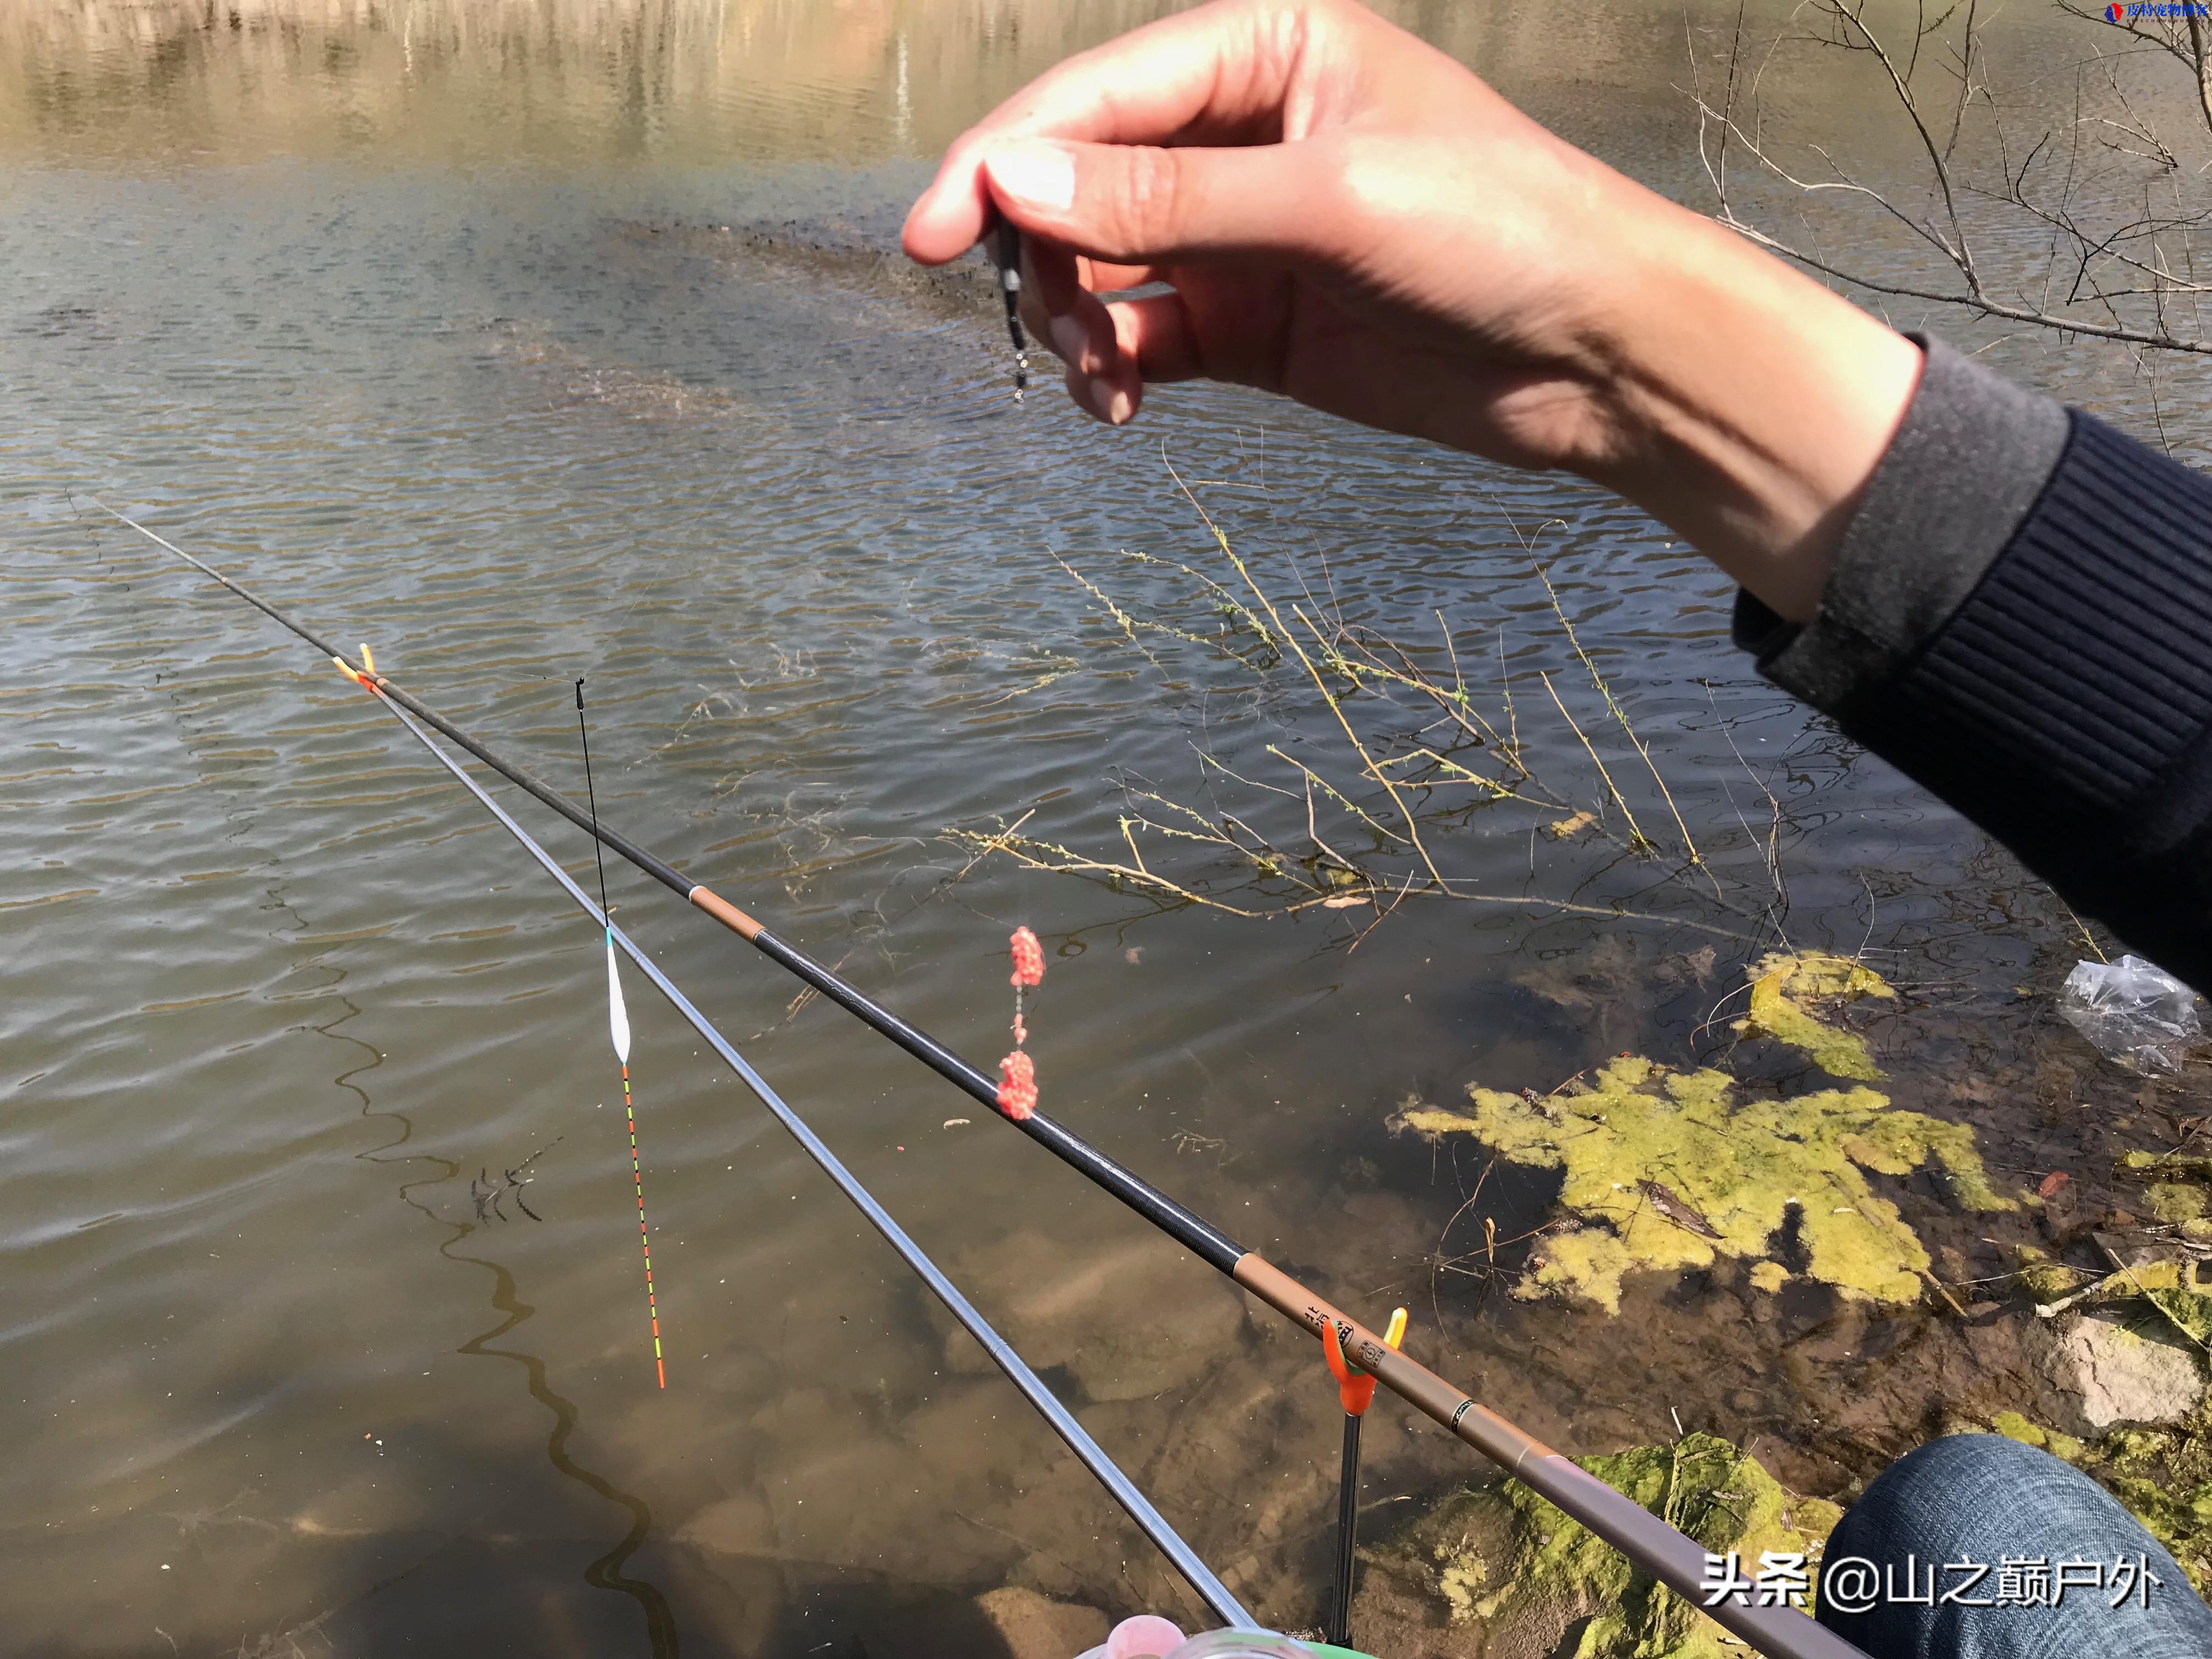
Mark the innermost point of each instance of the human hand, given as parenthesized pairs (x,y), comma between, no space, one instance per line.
(1147,1635)
(1343,214)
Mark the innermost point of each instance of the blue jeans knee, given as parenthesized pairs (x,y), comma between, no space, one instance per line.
(1975,1546)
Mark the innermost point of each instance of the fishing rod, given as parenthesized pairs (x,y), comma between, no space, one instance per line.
(1140,1509)
(1673,1557)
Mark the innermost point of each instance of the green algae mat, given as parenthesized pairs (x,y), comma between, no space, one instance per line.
(1668,1170)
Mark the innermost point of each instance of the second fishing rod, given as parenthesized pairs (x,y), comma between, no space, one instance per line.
(1671,1557)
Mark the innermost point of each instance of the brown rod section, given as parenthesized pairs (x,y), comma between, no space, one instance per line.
(1676,1560)
(726,913)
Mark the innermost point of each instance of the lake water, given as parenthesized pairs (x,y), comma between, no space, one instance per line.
(424,319)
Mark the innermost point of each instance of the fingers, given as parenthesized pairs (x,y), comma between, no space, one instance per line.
(1137,205)
(1112,351)
(1220,75)
(1101,378)
(1132,214)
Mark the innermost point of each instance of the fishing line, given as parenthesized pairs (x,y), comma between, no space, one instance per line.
(1125,1492)
(1672,1556)
(618,1028)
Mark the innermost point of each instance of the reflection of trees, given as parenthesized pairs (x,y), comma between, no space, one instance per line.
(797,77)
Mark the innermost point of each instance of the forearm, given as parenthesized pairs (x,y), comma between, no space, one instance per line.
(1751,405)
(2020,616)
(2008,599)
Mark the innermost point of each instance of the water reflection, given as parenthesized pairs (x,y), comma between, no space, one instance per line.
(605,1572)
(415,80)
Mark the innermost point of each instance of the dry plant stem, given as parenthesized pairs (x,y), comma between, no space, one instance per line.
(2190,46)
(1251,620)
(1413,829)
(1350,807)
(1505,688)
(1128,623)
(1065,861)
(1068,862)
(2092,308)
(1363,659)
(1774,845)
(1640,840)
(1454,704)
(1313,833)
(1460,774)
(1621,714)
(1457,704)
(2081,926)
(1208,835)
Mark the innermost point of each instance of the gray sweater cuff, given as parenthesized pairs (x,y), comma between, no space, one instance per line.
(1969,460)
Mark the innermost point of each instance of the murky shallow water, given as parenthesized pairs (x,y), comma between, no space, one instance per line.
(418,321)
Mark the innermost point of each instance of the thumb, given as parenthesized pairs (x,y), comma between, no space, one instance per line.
(1139,204)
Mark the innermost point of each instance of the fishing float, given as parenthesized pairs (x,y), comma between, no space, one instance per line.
(1009,286)
(1672,1556)
(618,1030)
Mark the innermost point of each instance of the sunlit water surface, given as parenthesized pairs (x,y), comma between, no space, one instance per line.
(417,319)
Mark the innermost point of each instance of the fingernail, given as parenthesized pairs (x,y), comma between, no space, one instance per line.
(1034,171)
(1068,338)
(1111,402)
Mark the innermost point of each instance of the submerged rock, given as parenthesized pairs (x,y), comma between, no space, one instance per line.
(1737,1165)
(1125,1321)
(1495,1572)
(2124,1370)
(1028,1626)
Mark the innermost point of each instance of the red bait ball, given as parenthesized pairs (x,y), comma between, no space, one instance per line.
(1029,957)
(1018,1090)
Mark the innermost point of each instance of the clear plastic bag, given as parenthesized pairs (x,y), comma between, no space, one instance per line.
(2135,1014)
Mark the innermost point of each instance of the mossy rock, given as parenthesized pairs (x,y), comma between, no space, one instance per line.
(1512,1575)
(2163,1477)
(1652,1155)
(2014,1426)
(1786,989)
(2171,1201)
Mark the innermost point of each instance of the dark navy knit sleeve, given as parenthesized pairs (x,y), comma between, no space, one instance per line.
(2062,700)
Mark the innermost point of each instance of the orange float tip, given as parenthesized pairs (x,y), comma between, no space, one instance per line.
(367,657)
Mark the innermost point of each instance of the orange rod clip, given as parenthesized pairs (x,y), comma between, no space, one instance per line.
(359,679)
(1354,1387)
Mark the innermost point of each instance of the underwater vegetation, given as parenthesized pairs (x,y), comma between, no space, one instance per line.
(1784,991)
(1503,1558)
(1668,1170)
